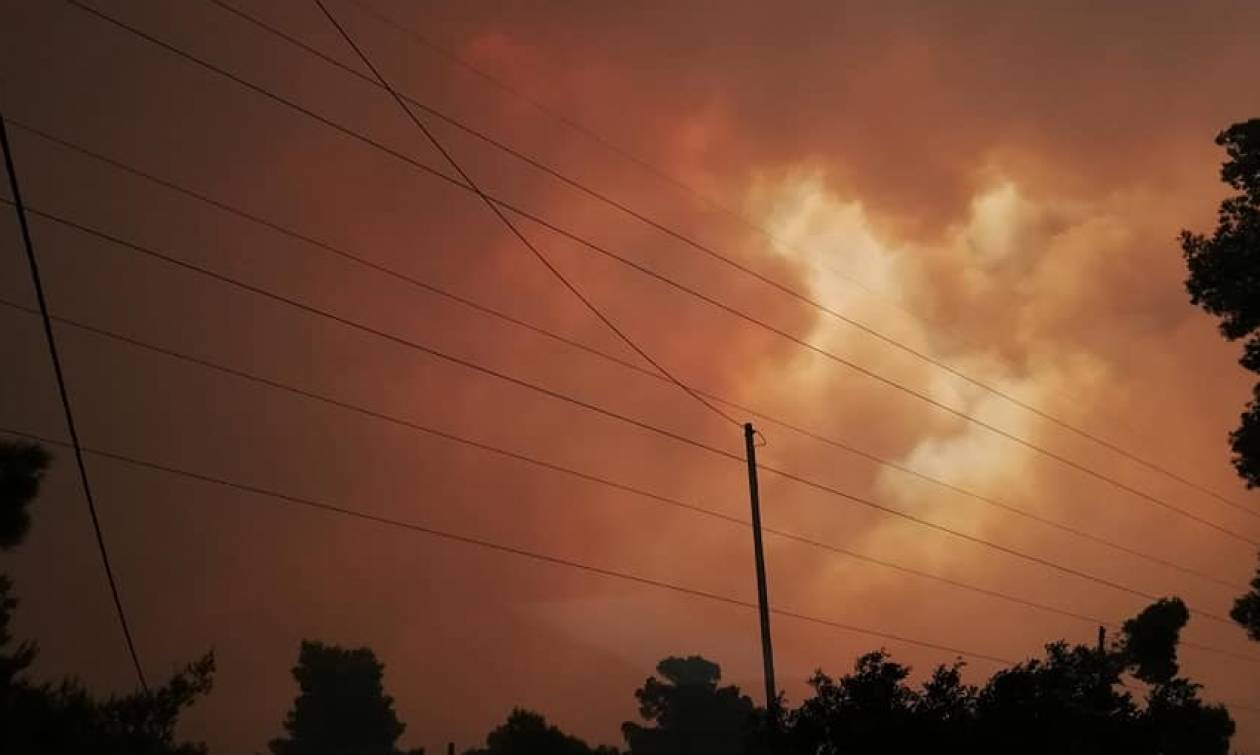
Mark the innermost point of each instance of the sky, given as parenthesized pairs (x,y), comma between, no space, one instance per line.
(996,187)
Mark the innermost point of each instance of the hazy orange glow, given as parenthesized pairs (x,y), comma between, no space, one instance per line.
(999,185)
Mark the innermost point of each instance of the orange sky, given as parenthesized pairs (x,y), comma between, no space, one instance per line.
(1000,187)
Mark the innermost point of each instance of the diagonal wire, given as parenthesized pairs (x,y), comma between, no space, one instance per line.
(498,212)
(64,395)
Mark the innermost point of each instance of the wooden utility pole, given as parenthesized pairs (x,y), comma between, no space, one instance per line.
(763,602)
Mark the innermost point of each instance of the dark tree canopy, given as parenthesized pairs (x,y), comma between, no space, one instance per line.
(1246,610)
(37,719)
(1225,280)
(13,661)
(1070,701)
(1224,275)
(872,709)
(341,705)
(691,713)
(1074,700)
(22,468)
(1151,638)
(528,733)
(65,718)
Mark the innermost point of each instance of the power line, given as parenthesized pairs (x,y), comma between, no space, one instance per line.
(326,507)
(600,410)
(459,62)
(706,249)
(489,448)
(64,395)
(672,283)
(501,548)
(490,311)
(450,159)
(357,259)
(578,474)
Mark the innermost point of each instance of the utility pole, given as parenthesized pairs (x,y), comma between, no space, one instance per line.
(763,602)
(1102,638)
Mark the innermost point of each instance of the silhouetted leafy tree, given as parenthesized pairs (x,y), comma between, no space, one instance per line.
(872,710)
(1150,640)
(65,718)
(1225,280)
(341,707)
(1225,274)
(12,661)
(22,468)
(864,711)
(528,733)
(691,712)
(1071,701)
(1067,702)
(1177,722)
(1246,610)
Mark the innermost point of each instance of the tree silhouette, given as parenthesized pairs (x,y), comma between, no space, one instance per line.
(65,718)
(943,712)
(1070,701)
(341,707)
(1246,610)
(691,713)
(1224,275)
(1150,640)
(1073,700)
(1177,722)
(864,711)
(1224,279)
(22,468)
(528,733)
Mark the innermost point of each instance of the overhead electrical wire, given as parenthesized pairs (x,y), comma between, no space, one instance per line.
(659,498)
(455,537)
(1247,540)
(600,410)
(430,288)
(64,395)
(520,236)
